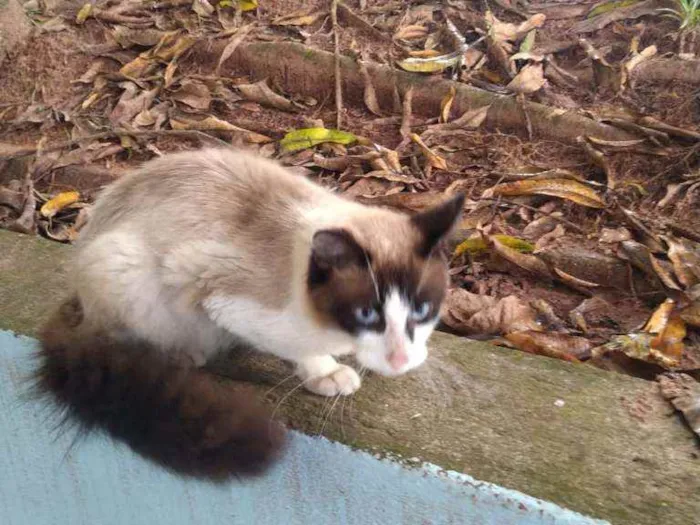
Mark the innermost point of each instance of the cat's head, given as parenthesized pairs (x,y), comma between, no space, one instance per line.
(383,281)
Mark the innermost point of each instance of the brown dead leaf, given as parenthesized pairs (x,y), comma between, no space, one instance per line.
(370,95)
(529,79)
(605,76)
(507,32)
(559,346)
(614,235)
(446,105)
(131,103)
(304,17)
(128,37)
(194,94)
(411,32)
(236,39)
(469,313)
(685,256)
(683,392)
(261,93)
(691,314)
(212,123)
(433,159)
(562,188)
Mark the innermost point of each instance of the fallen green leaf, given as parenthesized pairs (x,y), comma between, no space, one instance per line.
(305,138)
(478,244)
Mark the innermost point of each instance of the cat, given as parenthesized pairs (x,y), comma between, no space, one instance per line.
(197,250)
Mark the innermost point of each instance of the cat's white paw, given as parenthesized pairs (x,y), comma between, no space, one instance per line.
(344,381)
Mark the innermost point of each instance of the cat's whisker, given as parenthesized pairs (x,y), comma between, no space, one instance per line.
(342,414)
(373,277)
(284,398)
(327,418)
(290,376)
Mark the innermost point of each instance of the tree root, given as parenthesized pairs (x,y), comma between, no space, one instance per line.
(667,70)
(310,72)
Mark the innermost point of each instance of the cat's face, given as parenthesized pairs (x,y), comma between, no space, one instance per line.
(387,295)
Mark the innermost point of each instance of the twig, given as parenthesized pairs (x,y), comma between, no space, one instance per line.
(407,112)
(338,80)
(25,151)
(532,208)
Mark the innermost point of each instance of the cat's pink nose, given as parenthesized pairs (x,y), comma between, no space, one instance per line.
(397,360)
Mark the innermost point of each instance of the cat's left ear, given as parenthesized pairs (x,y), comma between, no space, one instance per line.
(434,224)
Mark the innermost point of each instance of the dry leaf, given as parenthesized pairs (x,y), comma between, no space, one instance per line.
(506,32)
(446,105)
(202,8)
(469,313)
(131,104)
(691,314)
(212,123)
(194,94)
(261,93)
(300,18)
(529,80)
(685,256)
(559,346)
(411,32)
(233,43)
(563,188)
(432,158)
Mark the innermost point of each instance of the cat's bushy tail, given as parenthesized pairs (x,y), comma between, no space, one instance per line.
(178,416)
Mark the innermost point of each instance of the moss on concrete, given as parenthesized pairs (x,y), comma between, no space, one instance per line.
(614,450)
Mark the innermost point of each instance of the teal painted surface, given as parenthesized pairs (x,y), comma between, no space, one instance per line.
(318,482)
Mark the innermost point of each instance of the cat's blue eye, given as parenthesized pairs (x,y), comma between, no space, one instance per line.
(420,312)
(366,315)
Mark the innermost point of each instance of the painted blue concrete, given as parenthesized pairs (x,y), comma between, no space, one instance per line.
(319,482)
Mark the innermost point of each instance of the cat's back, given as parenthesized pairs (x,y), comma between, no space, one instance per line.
(192,189)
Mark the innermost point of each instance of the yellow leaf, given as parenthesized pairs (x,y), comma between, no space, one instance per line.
(83,14)
(305,138)
(57,203)
(424,53)
(479,244)
(563,188)
(446,104)
(138,67)
(432,64)
(248,5)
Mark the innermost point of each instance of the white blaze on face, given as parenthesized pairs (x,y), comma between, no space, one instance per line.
(394,352)
(396,338)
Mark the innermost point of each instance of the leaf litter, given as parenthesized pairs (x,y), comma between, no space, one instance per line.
(604,232)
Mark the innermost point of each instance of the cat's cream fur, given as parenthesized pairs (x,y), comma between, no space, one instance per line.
(200,248)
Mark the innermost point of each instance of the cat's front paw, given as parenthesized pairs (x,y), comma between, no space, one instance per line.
(342,381)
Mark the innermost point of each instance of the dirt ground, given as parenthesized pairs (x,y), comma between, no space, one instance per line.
(567,246)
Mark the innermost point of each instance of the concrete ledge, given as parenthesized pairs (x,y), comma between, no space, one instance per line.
(615,450)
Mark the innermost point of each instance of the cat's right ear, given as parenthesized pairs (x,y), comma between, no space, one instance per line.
(335,248)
